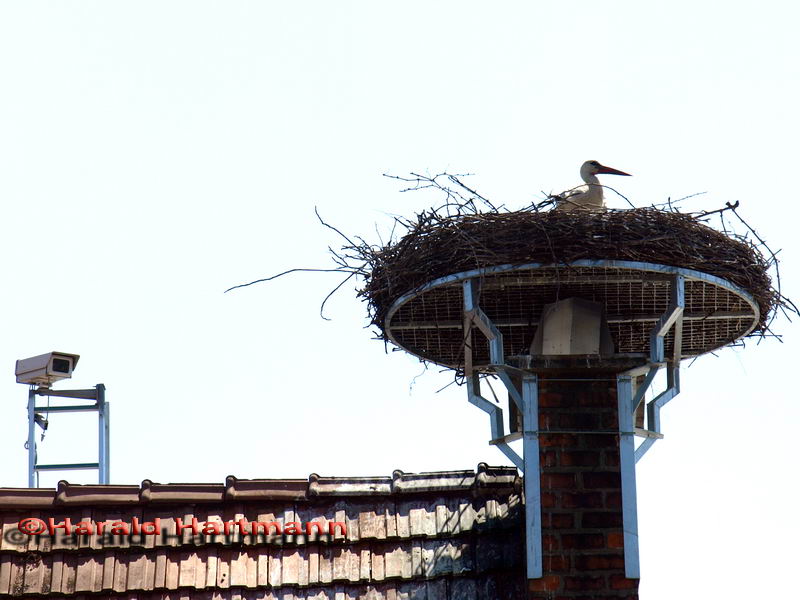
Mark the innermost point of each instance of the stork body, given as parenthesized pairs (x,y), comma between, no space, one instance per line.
(590,195)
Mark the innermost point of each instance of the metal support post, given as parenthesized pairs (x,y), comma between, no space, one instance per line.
(627,471)
(31,445)
(102,441)
(533,498)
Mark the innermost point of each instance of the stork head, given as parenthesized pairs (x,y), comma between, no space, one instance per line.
(592,167)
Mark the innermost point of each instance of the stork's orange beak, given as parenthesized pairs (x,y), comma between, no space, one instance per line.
(609,171)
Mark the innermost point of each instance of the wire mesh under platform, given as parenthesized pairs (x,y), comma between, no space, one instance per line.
(430,321)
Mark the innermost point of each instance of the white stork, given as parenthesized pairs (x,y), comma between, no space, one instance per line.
(589,196)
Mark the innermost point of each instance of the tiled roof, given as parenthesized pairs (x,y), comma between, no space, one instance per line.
(400,483)
(455,534)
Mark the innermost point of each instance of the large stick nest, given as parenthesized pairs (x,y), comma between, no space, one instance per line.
(469,232)
(436,245)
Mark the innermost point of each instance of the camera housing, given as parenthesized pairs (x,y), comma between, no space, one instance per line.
(46,369)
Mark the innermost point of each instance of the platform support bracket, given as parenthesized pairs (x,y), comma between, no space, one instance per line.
(671,319)
(524,393)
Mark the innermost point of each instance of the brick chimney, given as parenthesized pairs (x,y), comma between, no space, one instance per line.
(581,499)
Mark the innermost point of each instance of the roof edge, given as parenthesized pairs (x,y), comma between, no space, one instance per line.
(484,479)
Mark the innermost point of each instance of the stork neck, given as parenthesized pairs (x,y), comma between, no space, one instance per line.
(591,178)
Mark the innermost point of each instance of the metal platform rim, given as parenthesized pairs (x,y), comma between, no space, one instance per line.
(618,264)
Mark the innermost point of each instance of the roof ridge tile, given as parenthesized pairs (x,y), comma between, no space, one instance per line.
(483,479)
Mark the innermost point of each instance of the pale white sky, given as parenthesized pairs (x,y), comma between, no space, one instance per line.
(152,154)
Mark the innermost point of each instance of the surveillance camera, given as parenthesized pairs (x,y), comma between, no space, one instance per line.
(46,369)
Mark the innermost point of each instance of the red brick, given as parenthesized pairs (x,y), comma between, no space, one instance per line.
(613,500)
(549,500)
(597,398)
(609,420)
(601,519)
(562,440)
(616,540)
(550,543)
(547,399)
(583,421)
(601,480)
(547,421)
(558,520)
(619,582)
(583,541)
(584,584)
(548,583)
(611,458)
(579,458)
(581,500)
(558,481)
(549,458)
(599,562)
(600,440)
(555,562)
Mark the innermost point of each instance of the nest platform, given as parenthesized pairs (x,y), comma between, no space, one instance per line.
(525,260)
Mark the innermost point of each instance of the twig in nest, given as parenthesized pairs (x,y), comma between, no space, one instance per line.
(271,277)
(620,195)
(728,206)
(349,241)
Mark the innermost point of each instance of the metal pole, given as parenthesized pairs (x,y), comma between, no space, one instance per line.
(627,471)
(102,440)
(31,437)
(530,448)
(108,441)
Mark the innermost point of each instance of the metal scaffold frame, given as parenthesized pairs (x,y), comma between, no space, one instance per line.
(522,388)
(98,395)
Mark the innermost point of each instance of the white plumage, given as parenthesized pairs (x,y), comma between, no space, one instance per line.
(589,196)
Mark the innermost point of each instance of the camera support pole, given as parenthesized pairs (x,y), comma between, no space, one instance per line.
(35,416)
